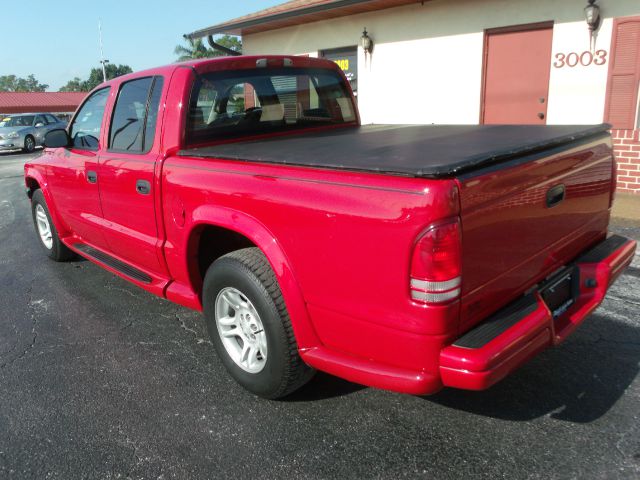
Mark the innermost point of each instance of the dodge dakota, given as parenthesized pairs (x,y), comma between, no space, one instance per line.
(407,258)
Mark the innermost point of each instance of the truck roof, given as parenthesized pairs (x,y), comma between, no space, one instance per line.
(239,62)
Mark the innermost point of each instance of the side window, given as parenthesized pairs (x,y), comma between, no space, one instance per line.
(235,99)
(202,113)
(40,121)
(85,129)
(135,114)
(51,119)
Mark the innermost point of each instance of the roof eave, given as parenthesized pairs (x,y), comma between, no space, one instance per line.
(237,28)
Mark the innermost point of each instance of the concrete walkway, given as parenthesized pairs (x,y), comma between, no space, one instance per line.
(626,210)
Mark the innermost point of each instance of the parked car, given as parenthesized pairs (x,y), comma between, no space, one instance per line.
(402,257)
(26,131)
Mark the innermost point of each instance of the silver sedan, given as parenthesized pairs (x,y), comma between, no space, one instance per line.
(26,131)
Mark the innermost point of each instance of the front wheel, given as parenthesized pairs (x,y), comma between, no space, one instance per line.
(29,144)
(250,327)
(47,232)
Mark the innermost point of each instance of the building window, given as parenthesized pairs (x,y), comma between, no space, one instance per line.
(347,60)
(624,75)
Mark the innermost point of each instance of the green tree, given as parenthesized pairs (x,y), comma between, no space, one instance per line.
(75,85)
(12,83)
(195,49)
(95,78)
(113,71)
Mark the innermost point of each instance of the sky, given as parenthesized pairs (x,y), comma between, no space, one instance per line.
(58,40)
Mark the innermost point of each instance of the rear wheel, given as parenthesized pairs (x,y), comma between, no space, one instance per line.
(47,232)
(29,144)
(250,327)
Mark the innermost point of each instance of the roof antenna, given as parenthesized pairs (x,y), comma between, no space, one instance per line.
(103,61)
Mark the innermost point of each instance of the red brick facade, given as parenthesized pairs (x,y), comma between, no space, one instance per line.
(626,145)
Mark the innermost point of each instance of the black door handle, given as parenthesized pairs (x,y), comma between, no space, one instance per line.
(541,116)
(92,177)
(143,187)
(555,195)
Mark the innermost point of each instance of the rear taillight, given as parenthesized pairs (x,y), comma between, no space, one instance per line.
(436,264)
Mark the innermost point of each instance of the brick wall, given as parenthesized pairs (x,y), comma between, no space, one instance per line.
(626,146)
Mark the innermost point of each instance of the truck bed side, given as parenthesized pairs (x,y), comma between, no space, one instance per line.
(347,238)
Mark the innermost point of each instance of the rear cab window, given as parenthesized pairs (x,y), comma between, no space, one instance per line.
(133,123)
(244,103)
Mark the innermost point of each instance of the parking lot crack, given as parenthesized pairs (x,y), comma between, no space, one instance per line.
(135,450)
(31,303)
(186,328)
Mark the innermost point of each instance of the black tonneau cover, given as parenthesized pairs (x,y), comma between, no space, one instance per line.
(412,150)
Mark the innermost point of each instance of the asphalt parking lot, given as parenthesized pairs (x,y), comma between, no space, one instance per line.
(99,379)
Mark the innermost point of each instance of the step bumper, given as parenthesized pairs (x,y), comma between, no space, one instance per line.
(515,334)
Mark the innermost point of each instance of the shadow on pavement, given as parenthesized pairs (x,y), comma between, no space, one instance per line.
(578,381)
(323,386)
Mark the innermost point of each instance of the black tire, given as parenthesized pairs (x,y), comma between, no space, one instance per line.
(29,144)
(58,250)
(249,272)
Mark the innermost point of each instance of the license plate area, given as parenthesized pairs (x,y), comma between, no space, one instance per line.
(560,291)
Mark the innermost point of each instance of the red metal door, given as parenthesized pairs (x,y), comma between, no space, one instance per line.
(73,176)
(128,176)
(516,75)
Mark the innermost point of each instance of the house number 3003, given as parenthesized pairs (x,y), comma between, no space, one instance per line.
(585,59)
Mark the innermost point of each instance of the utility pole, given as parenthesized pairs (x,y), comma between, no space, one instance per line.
(103,61)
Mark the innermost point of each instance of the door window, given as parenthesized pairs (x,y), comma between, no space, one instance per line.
(85,129)
(40,121)
(135,114)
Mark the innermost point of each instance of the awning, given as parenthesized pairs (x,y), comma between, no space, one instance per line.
(26,102)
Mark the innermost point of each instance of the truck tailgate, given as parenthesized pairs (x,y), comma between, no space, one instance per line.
(524,219)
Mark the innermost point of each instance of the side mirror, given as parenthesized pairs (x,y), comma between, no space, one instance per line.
(39,124)
(57,138)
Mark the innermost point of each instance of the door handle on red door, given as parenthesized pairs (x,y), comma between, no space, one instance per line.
(92,177)
(143,187)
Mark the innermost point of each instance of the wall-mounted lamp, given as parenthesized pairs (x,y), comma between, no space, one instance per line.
(366,42)
(592,15)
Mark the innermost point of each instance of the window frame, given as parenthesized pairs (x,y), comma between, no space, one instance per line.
(154,81)
(73,119)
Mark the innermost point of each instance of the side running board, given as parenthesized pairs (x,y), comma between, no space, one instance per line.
(125,269)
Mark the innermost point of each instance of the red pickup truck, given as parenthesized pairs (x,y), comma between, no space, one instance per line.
(402,257)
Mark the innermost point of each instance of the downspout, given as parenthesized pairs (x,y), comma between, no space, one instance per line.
(217,46)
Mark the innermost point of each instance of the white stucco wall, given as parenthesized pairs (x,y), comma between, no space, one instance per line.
(426,66)
(577,94)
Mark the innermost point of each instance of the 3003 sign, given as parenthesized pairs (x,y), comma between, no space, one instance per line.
(585,59)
